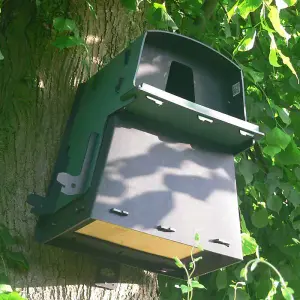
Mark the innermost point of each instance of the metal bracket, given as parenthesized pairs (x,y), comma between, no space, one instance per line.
(108,275)
(74,185)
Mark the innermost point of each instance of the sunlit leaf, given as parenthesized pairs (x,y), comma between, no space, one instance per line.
(185,289)
(275,20)
(197,285)
(273,59)
(271,150)
(249,244)
(232,11)
(247,42)
(287,293)
(277,137)
(178,262)
(286,60)
(1,56)
(248,6)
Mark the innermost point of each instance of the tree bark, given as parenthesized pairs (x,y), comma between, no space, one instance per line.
(37,88)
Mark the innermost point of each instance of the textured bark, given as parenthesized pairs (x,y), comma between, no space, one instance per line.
(37,87)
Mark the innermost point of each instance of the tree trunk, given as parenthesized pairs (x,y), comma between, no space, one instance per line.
(37,88)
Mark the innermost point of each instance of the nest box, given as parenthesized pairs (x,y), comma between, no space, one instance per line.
(147,159)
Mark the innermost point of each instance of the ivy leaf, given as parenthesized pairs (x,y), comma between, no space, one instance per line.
(290,156)
(274,203)
(271,150)
(197,285)
(277,137)
(185,289)
(247,42)
(178,262)
(62,42)
(248,6)
(130,4)
(275,20)
(287,293)
(273,59)
(221,280)
(260,218)
(247,169)
(249,244)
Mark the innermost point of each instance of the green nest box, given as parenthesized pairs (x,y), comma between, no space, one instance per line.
(147,159)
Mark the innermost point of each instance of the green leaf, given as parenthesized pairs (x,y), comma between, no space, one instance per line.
(247,168)
(158,16)
(62,42)
(197,285)
(197,237)
(287,293)
(286,60)
(297,172)
(249,244)
(284,115)
(130,4)
(178,262)
(253,75)
(273,58)
(17,259)
(254,265)
(247,42)
(197,258)
(1,56)
(294,198)
(277,137)
(290,156)
(232,11)
(274,203)
(62,24)
(185,289)
(275,20)
(260,218)
(221,280)
(248,6)
(271,150)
